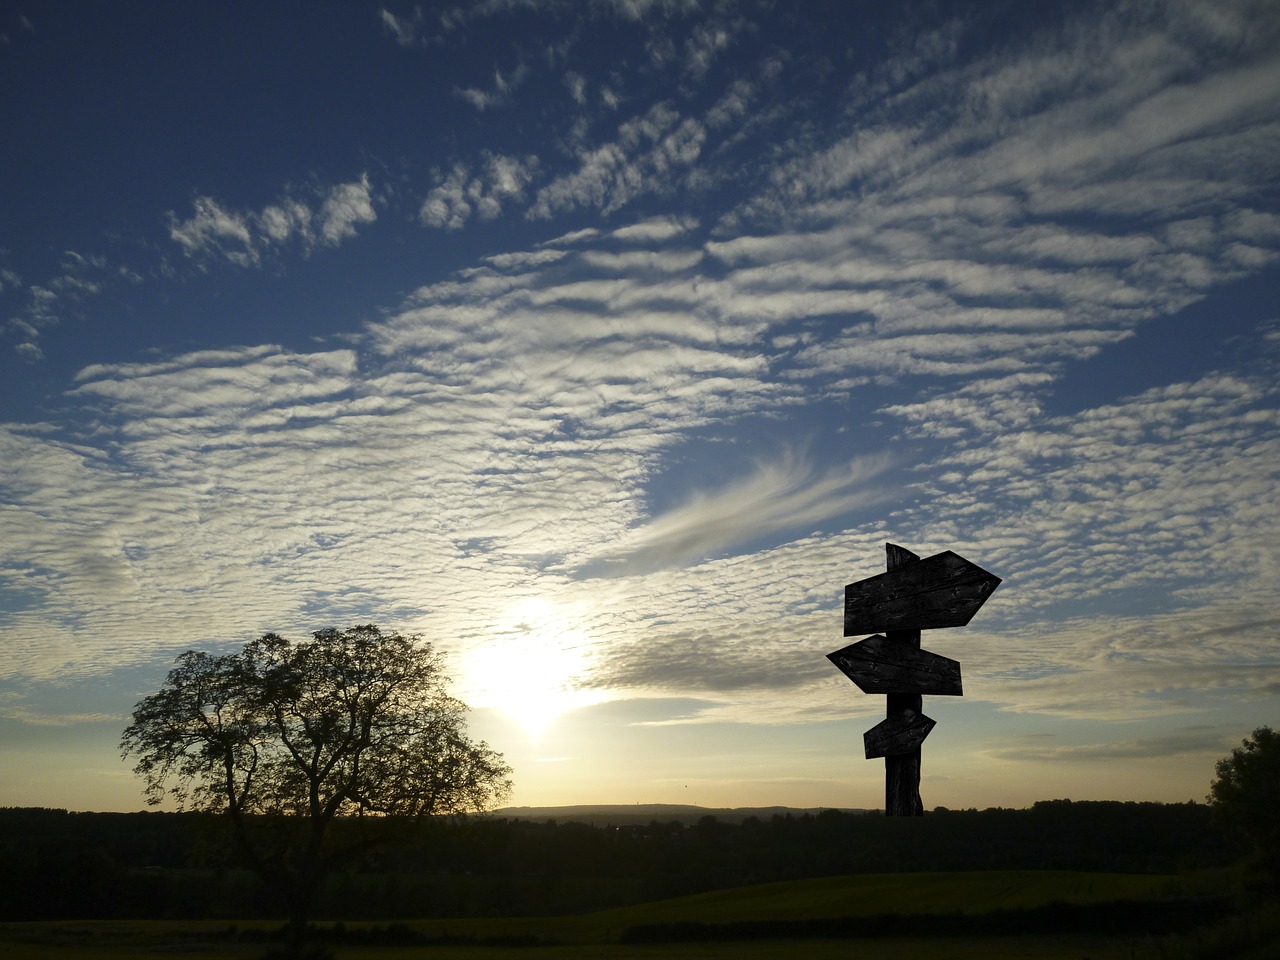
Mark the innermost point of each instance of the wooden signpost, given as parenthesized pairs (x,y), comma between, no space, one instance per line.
(944,590)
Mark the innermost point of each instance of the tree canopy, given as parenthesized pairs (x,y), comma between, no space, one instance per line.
(288,737)
(1246,793)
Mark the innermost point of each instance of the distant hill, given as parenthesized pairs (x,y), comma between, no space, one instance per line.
(632,814)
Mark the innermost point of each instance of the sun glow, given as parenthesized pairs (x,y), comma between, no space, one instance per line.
(531,669)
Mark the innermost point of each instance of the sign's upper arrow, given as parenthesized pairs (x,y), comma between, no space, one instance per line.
(944,590)
(880,665)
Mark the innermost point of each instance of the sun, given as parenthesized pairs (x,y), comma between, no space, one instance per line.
(531,668)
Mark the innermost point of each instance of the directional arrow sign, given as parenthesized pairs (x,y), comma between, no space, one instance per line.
(880,665)
(944,590)
(899,734)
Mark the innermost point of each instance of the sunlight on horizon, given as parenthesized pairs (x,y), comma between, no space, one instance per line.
(529,669)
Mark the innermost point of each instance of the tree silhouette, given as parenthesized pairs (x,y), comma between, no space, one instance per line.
(286,739)
(1245,796)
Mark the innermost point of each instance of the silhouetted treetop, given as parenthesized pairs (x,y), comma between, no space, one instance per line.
(1245,795)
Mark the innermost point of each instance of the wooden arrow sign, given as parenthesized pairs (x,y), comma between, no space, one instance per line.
(879,665)
(899,734)
(944,590)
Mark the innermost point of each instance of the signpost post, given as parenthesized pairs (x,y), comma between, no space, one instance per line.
(944,590)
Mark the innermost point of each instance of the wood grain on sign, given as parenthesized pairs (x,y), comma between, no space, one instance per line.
(896,735)
(879,665)
(944,590)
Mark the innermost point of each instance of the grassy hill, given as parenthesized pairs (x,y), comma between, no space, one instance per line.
(913,893)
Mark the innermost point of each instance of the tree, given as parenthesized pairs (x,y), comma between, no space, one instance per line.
(287,739)
(1245,796)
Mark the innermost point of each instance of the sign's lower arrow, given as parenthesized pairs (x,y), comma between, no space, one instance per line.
(880,665)
(899,734)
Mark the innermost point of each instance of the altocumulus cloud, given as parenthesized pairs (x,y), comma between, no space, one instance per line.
(322,218)
(498,433)
(461,194)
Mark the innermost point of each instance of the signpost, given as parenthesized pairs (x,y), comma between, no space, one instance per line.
(944,590)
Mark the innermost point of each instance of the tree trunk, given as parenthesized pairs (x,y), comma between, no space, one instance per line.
(303,885)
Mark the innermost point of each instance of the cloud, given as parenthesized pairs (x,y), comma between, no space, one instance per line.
(346,206)
(500,179)
(501,366)
(406,31)
(650,155)
(1104,116)
(1192,741)
(458,17)
(213,230)
(13,707)
(951,211)
(733,105)
(577,86)
(322,219)
(278,221)
(9,280)
(1132,493)
(780,495)
(917,275)
(24,26)
(655,229)
(81,278)
(500,91)
(208,383)
(447,205)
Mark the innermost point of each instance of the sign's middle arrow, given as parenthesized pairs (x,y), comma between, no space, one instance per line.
(878,665)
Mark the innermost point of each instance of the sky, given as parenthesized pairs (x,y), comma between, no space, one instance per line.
(602,343)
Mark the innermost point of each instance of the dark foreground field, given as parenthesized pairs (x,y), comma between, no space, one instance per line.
(1062,879)
(992,914)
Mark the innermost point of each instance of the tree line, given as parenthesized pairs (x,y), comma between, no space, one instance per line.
(186,865)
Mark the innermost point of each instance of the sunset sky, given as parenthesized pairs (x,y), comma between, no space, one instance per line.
(602,343)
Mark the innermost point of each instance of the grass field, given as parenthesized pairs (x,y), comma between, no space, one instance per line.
(156,940)
(596,935)
(976,948)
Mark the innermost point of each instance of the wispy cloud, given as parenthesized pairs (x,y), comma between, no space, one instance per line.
(323,218)
(214,230)
(702,44)
(405,30)
(23,26)
(655,229)
(498,92)
(1192,741)
(780,495)
(13,706)
(80,279)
